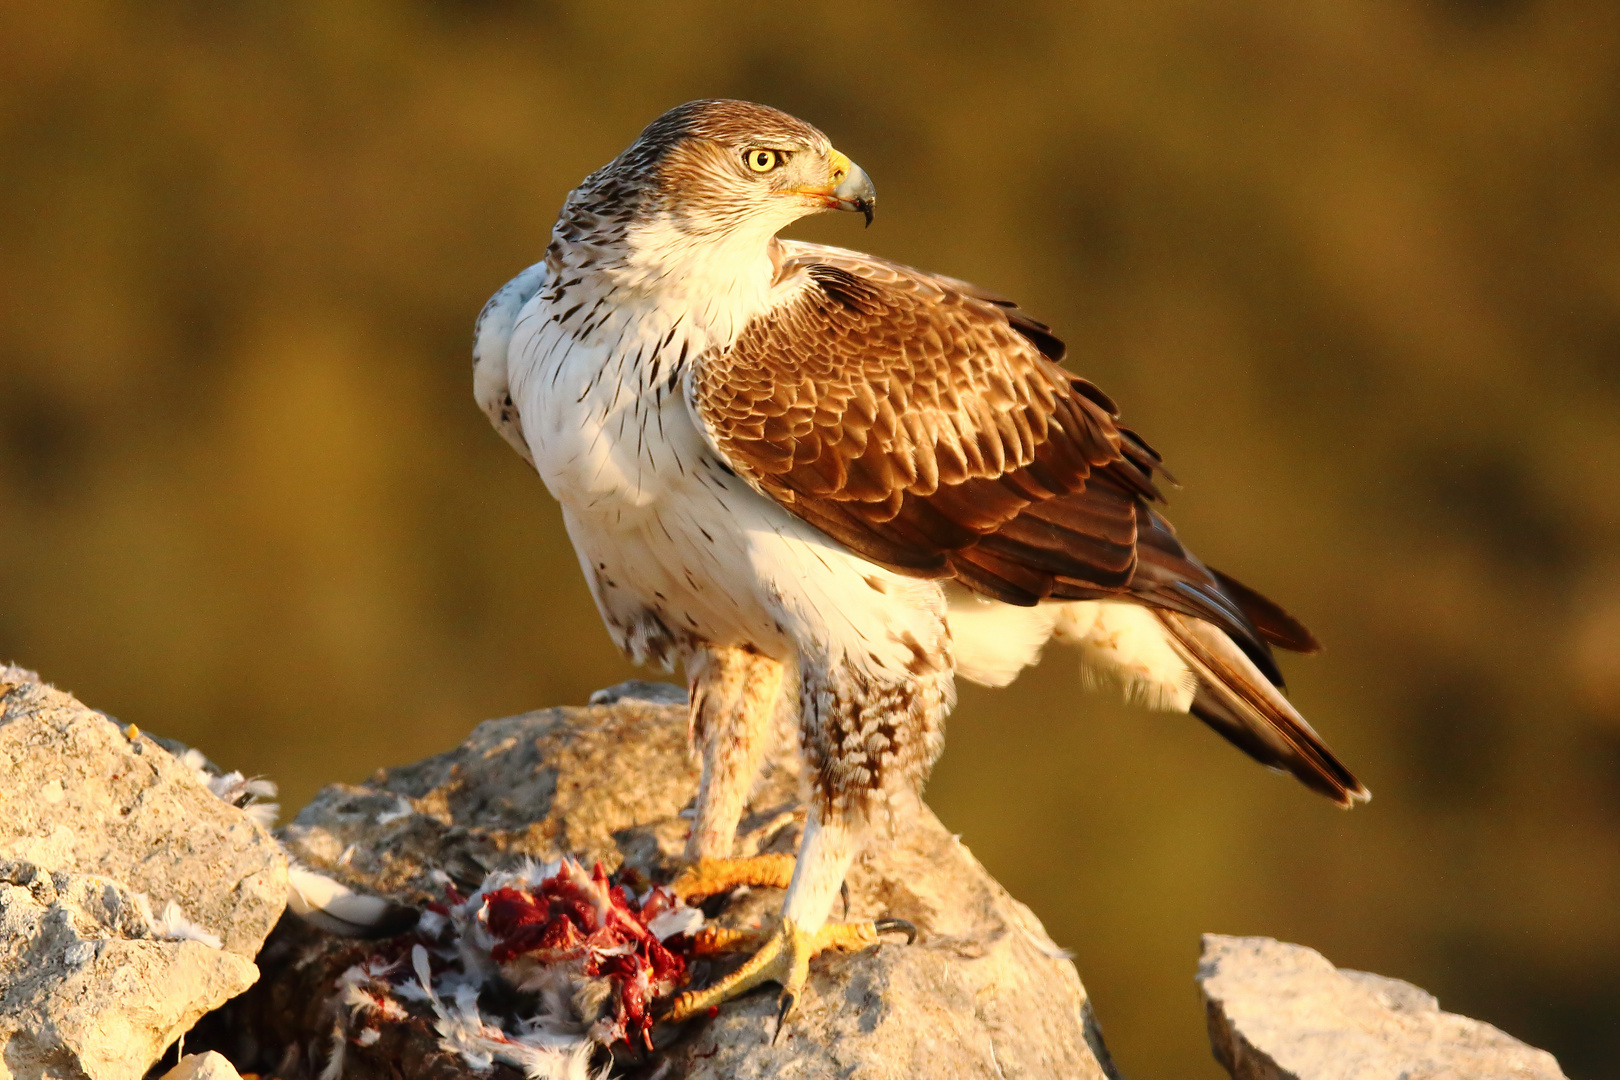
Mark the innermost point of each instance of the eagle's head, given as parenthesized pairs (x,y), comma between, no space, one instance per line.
(722,170)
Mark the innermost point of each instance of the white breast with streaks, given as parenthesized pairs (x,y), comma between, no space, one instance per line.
(675,546)
(660,525)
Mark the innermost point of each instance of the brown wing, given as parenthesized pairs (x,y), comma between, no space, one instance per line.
(927,425)
(910,420)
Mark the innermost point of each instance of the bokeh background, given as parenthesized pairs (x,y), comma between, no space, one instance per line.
(1352,265)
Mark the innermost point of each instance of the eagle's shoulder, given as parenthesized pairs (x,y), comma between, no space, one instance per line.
(492,339)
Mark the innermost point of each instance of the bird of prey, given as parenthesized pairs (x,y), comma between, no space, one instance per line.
(829,483)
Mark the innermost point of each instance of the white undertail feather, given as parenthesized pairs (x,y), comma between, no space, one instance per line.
(1123,646)
(993,641)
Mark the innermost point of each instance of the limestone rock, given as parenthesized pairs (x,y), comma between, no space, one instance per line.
(79,795)
(209,1066)
(89,986)
(1283,1012)
(133,898)
(658,693)
(983,993)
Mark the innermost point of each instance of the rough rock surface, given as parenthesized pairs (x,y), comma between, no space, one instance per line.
(209,1066)
(88,985)
(81,796)
(1283,1012)
(133,899)
(983,992)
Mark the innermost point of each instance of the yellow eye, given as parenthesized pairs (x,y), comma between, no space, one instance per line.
(763,161)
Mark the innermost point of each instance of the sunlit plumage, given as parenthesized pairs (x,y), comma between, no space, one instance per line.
(828,484)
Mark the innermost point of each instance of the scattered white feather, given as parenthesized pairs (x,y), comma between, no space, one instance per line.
(251,795)
(410,992)
(1047,947)
(173,925)
(430,924)
(462,1029)
(330,904)
(401,809)
(263,813)
(340,1044)
(681,920)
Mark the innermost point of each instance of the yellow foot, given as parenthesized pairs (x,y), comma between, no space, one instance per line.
(710,877)
(783,957)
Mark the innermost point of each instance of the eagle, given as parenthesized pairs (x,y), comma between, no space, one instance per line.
(828,485)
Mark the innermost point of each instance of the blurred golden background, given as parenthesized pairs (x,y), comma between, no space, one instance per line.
(1352,265)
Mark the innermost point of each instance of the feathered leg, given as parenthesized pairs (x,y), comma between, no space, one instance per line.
(869,733)
(734,694)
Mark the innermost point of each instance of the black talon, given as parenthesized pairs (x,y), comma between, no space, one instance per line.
(788,1001)
(843,891)
(891,926)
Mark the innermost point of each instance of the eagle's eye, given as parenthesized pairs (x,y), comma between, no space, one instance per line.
(763,161)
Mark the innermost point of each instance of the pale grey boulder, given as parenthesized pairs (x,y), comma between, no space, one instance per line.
(209,1066)
(92,984)
(656,693)
(78,793)
(984,993)
(1284,1012)
(134,898)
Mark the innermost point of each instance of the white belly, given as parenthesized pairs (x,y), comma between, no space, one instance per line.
(677,549)
(652,515)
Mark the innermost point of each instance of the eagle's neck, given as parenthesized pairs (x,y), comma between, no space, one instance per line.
(665,279)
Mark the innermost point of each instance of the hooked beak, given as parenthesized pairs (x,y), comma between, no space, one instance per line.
(847,187)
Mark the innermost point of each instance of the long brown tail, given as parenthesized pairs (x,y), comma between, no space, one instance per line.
(1235,699)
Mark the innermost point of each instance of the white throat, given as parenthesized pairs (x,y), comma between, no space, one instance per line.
(707,286)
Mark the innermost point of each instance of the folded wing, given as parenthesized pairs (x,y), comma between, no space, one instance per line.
(927,425)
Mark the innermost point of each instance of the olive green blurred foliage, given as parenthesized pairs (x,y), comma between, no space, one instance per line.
(1352,265)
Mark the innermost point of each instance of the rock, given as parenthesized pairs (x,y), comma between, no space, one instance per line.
(1283,1012)
(658,693)
(89,987)
(82,796)
(134,899)
(983,993)
(209,1066)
